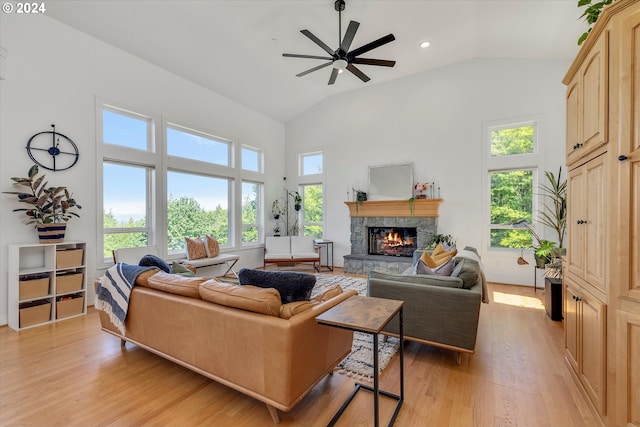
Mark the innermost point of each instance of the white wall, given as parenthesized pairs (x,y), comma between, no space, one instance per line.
(433,119)
(54,73)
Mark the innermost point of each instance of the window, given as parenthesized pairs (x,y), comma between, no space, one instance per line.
(125,206)
(311,164)
(251,212)
(312,210)
(182,142)
(512,175)
(126,129)
(196,205)
(162,182)
(251,159)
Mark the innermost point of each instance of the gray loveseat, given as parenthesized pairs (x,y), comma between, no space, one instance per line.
(442,311)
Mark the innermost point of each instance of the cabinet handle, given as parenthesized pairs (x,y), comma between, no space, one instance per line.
(622,157)
(578,299)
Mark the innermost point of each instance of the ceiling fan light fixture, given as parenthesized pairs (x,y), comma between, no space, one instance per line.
(340,64)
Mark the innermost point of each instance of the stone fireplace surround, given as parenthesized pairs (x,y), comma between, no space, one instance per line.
(391,214)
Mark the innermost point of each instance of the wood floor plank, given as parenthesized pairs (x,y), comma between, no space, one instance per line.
(72,374)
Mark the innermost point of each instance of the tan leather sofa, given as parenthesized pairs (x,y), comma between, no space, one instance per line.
(274,359)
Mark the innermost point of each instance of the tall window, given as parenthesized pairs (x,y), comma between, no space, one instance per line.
(251,212)
(512,167)
(310,179)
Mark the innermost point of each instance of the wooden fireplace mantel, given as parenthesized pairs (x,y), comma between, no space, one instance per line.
(382,208)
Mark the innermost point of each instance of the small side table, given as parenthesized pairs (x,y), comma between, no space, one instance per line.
(328,247)
(368,315)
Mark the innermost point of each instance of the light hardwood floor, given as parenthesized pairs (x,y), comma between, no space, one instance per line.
(72,374)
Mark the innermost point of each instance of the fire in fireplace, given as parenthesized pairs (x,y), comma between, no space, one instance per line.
(393,241)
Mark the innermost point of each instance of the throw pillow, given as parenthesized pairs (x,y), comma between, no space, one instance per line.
(467,270)
(433,262)
(213,247)
(195,248)
(177,268)
(443,270)
(153,261)
(292,286)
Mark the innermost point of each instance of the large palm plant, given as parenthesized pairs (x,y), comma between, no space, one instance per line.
(554,213)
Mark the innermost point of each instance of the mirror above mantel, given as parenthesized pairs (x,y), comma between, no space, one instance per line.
(391,182)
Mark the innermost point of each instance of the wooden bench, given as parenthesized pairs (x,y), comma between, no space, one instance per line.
(290,250)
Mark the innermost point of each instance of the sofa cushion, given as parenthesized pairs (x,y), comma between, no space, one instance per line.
(143,278)
(212,246)
(177,268)
(466,269)
(287,311)
(327,294)
(250,298)
(443,281)
(435,261)
(150,260)
(176,284)
(292,286)
(195,248)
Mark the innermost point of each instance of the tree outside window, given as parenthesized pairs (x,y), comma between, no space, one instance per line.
(312,210)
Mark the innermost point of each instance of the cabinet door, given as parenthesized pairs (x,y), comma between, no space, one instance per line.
(628,369)
(592,339)
(629,169)
(571,324)
(594,96)
(575,204)
(595,203)
(573,120)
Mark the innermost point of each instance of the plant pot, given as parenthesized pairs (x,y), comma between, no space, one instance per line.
(541,260)
(421,196)
(297,206)
(52,233)
(276,217)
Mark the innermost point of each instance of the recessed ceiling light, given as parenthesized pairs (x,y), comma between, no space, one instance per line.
(425,44)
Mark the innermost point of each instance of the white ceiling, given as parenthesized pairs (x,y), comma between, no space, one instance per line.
(234,47)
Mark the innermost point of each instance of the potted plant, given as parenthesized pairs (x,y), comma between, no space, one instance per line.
(49,208)
(543,249)
(297,200)
(447,241)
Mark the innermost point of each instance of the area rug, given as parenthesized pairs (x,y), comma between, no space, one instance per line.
(359,363)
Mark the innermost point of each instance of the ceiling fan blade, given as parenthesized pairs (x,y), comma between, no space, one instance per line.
(334,75)
(370,46)
(318,42)
(295,55)
(370,61)
(311,70)
(348,36)
(362,76)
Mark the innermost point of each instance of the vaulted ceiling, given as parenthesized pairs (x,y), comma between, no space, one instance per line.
(234,47)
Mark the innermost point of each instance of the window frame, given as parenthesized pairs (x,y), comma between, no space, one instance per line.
(514,162)
(157,159)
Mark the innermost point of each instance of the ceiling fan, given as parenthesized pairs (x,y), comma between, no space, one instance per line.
(342,58)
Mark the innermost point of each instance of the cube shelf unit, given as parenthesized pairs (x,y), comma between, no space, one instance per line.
(47,283)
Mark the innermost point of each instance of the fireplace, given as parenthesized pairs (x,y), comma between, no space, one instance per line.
(392,241)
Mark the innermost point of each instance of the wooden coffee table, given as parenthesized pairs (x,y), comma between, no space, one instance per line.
(368,315)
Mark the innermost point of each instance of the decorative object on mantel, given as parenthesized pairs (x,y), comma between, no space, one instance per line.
(420,190)
(52,150)
(51,207)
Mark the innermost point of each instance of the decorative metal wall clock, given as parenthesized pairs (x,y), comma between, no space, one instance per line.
(52,150)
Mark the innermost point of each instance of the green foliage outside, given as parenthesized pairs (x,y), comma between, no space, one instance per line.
(512,190)
(250,216)
(186,218)
(312,208)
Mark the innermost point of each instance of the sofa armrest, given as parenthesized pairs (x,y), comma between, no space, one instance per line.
(436,314)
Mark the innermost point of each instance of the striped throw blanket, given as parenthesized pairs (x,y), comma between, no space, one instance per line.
(112,295)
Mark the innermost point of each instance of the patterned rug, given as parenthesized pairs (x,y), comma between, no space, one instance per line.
(359,363)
